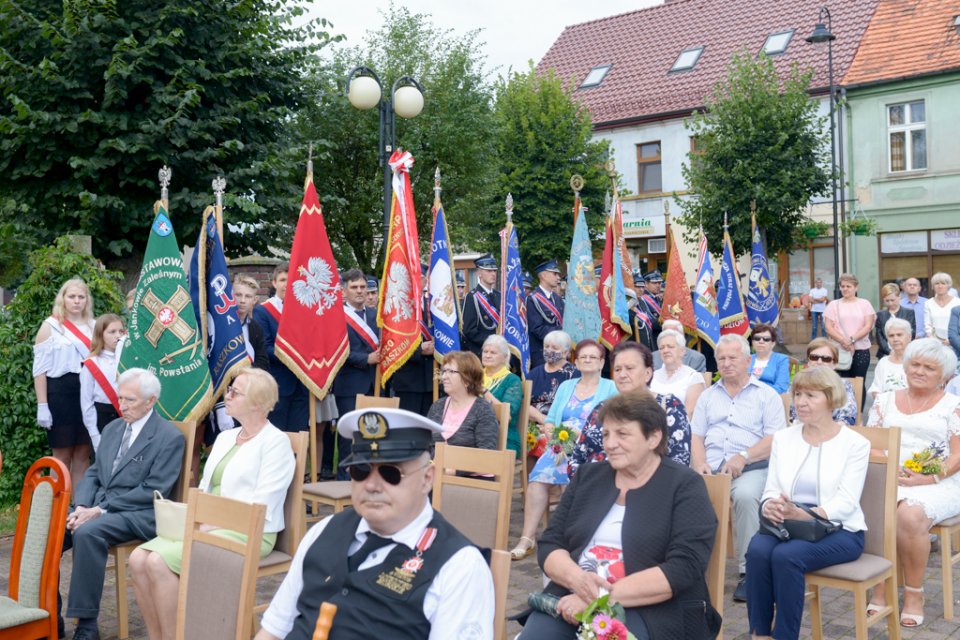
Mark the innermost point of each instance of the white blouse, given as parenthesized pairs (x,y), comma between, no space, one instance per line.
(62,352)
(91,392)
(677,384)
(936,319)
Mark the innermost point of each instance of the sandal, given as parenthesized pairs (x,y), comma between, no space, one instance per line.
(915,619)
(519,552)
(874,608)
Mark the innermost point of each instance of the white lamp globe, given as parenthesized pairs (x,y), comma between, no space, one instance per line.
(408,101)
(364,92)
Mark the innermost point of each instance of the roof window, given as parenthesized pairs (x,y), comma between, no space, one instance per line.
(777,42)
(687,59)
(596,76)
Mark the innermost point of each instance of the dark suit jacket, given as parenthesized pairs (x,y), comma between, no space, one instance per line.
(541,321)
(257,340)
(883,348)
(953,330)
(287,382)
(416,374)
(668,523)
(477,323)
(153,461)
(356,376)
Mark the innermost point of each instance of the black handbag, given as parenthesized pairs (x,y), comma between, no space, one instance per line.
(808,530)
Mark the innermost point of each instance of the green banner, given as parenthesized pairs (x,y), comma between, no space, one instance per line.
(163,335)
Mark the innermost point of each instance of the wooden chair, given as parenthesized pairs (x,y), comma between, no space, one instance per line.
(718,488)
(30,611)
(219,574)
(707,379)
(278,560)
(523,422)
(858,395)
(121,552)
(503,417)
(336,493)
(948,531)
(478,507)
(500,568)
(878,563)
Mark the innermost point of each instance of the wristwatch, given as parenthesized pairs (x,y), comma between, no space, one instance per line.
(746,456)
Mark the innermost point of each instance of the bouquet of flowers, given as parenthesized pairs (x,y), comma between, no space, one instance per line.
(603,621)
(536,440)
(929,461)
(562,441)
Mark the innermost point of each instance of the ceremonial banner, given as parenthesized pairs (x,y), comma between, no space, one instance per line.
(162,332)
(730,306)
(611,299)
(677,302)
(581,314)
(400,310)
(513,306)
(705,298)
(626,267)
(444,310)
(215,308)
(761,293)
(312,336)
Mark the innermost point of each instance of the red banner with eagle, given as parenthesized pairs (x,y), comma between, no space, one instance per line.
(677,301)
(399,314)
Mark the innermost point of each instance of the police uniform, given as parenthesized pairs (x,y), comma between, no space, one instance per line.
(481,311)
(644,322)
(424,581)
(544,314)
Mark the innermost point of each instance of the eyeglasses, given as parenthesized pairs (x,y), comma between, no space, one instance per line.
(233,391)
(813,357)
(448,372)
(390,473)
(762,339)
(589,358)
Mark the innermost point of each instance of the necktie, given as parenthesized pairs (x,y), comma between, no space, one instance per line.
(371,544)
(124,446)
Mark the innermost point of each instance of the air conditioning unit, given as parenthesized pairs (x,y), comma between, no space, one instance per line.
(657,245)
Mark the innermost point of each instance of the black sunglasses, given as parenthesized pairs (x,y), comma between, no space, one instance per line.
(390,473)
(762,339)
(818,358)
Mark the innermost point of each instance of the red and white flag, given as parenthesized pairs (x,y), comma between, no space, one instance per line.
(312,337)
(400,311)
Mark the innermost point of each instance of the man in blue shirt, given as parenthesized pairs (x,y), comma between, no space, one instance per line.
(911,299)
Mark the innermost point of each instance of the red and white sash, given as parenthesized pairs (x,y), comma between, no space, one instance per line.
(653,304)
(274,307)
(425,331)
(359,325)
(101,379)
(482,299)
(545,301)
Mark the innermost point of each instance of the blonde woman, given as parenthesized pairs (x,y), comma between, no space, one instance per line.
(849,322)
(890,297)
(936,310)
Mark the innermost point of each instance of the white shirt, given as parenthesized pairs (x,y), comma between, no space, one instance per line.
(137,427)
(936,318)
(818,307)
(678,384)
(459,602)
(91,392)
(888,376)
(62,352)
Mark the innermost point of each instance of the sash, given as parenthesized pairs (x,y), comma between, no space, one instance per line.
(101,379)
(271,307)
(654,305)
(644,317)
(361,327)
(481,297)
(425,331)
(545,301)
(75,330)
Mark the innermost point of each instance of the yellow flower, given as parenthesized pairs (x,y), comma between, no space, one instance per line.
(913,465)
(563,436)
(531,440)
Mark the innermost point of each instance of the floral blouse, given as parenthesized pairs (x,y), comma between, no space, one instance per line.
(589,447)
(847,413)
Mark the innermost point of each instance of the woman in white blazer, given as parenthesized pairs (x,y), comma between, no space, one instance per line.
(819,463)
(253,463)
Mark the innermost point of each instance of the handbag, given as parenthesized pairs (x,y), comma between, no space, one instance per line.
(808,530)
(171,517)
(845,361)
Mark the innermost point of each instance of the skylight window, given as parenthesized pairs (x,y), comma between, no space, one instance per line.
(687,59)
(777,42)
(596,76)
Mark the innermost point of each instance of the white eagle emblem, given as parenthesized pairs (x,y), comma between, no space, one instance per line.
(397,298)
(316,288)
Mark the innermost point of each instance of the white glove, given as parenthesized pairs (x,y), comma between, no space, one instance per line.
(44,417)
(224,422)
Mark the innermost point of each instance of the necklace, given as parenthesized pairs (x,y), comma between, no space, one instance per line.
(241,438)
(923,407)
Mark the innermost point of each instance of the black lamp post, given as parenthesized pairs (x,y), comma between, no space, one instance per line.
(365,91)
(822,32)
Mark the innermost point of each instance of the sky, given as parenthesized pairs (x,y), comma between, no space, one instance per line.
(514,31)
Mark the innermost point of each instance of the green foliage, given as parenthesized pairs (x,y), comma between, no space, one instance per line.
(543,137)
(758,143)
(22,440)
(97,94)
(448,133)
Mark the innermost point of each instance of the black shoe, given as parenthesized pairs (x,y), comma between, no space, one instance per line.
(740,593)
(86,634)
(61,633)
(327,474)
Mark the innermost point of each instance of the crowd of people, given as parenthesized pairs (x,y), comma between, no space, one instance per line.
(647,420)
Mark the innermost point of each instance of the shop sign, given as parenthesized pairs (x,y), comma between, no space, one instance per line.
(910,242)
(945,240)
(641,226)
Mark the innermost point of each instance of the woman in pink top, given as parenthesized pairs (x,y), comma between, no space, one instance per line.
(849,321)
(467,419)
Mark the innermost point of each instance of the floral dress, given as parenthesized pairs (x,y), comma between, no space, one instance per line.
(551,467)
(545,384)
(847,413)
(589,446)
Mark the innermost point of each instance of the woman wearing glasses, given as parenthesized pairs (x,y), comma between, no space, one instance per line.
(465,421)
(573,403)
(253,463)
(824,353)
(773,369)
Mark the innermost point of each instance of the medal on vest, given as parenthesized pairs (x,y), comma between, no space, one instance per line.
(400,580)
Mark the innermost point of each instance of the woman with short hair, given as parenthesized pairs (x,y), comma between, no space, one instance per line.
(822,352)
(502,387)
(766,365)
(465,419)
(547,378)
(674,377)
(890,297)
(936,310)
(888,374)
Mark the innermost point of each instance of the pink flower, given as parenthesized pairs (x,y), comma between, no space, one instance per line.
(601,624)
(616,631)
(557,448)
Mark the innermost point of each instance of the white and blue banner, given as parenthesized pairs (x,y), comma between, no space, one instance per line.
(513,308)
(444,309)
(761,292)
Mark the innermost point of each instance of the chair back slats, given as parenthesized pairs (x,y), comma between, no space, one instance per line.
(377,402)
(182,488)
(503,417)
(35,545)
(879,498)
(871,502)
(718,488)
(293,513)
(500,568)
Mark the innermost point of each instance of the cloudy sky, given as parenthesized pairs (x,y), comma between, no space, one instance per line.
(515,31)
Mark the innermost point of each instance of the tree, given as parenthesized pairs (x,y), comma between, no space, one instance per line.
(544,137)
(98,94)
(449,133)
(755,142)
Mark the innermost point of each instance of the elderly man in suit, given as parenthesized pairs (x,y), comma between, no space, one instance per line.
(693,359)
(139,453)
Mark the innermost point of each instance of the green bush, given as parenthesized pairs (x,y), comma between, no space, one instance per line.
(21,440)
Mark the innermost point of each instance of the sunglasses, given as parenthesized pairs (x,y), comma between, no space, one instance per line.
(390,473)
(813,357)
(762,339)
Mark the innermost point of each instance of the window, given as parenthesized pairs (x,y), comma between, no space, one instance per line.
(687,59)
(648,167)
(777,42)
(907,131)
(596,76)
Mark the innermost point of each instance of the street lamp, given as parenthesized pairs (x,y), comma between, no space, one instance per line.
(365,91)
(822,32)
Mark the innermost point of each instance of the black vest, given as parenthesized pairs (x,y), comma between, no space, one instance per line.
(384,601)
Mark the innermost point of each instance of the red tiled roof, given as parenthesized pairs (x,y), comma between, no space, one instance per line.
(643,45)
(907,38)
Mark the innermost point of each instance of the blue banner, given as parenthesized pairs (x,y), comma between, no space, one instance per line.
(444,310)
(705,298)
(215,307)
(581,313)
(761,292)
(513,306)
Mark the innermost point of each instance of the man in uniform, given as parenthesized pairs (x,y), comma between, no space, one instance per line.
(643,321)
(544,309)
(481,307)
(527,284)
(393,566)
(373,293)
(461,287)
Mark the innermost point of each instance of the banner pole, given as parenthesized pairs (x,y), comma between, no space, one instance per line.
(436,380)
(316,439)
(376,383)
